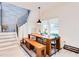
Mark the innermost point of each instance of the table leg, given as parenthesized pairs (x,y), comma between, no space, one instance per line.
(58,44)
(38,53)
(44,51)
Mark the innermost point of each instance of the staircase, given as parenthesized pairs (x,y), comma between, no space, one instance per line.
(8,40)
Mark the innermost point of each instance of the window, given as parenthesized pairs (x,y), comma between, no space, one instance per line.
(52,26)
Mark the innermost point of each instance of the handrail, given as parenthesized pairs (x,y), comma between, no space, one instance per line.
(17,29)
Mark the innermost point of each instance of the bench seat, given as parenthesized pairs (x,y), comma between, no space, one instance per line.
(39,47)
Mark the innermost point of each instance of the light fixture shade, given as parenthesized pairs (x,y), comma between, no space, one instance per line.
(39,21)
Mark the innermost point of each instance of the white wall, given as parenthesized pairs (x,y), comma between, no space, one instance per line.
(69,18)
(68,14)
(28,27)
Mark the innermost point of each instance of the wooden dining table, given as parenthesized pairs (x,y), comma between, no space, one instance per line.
(48,42)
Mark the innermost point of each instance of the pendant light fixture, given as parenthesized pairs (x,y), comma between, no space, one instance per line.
(39,16)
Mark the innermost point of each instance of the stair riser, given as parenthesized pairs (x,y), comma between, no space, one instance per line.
(6,34)
(8,47)
(7,41)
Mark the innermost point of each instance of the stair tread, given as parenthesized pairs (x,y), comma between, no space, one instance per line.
(7,47)
(7,33)
(8,44)
(6,37)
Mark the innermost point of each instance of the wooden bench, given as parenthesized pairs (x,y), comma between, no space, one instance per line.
(38,47)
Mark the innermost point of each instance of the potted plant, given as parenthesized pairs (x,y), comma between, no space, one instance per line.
(5,27)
